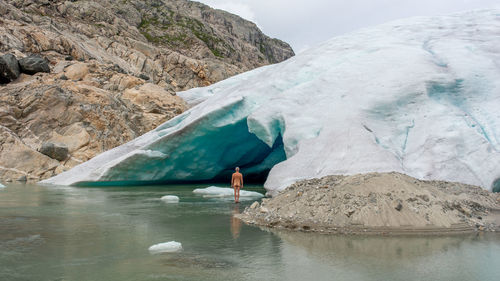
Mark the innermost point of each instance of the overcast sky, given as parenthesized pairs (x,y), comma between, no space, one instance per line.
(305,23)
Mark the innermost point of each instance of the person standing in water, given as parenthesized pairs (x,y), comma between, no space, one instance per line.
(237,184)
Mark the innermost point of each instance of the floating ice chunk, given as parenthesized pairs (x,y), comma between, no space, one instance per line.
(170,199)
(167,247)
(2,186)
(214,191)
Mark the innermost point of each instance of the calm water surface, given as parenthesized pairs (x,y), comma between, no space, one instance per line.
(49,233)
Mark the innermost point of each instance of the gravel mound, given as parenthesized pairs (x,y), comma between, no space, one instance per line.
(378,203)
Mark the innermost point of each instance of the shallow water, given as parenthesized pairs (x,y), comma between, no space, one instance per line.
(49,233)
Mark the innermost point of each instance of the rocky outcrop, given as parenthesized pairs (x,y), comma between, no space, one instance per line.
(175,43)
(379,204)
(102,73)
(96,112)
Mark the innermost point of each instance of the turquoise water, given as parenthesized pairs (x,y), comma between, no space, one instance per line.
(104,234)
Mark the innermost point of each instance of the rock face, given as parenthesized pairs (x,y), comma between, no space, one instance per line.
(378,203)
(103,73)
(100,110)
(176,43)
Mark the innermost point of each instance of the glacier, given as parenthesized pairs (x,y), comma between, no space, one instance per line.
(418,96)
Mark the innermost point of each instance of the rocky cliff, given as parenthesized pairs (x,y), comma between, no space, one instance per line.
(114,68)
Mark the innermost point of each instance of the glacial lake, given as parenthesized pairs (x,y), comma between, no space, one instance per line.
(70,233)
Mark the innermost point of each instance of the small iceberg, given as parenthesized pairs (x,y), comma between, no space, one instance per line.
(167,247)
(170,199)
(214,191)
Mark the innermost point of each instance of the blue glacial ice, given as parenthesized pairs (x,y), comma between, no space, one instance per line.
(418,96)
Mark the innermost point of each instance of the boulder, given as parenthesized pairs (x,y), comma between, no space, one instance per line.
(254,205)
(55,150)
(22,178)
(74,137)
(144,76)
(9,68)
(34,64)
(77,71)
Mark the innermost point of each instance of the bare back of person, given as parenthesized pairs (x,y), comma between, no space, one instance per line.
(237,184)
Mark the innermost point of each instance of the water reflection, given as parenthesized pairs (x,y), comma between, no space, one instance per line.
(235,222)
(373,246)
(390,258)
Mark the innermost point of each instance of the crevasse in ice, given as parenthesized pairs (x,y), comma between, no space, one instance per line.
(419,96)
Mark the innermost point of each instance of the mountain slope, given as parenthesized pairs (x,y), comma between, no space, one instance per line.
(177,42)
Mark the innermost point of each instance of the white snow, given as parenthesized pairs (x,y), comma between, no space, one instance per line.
(170,199)
(418,96)
(214,191)
(167,247)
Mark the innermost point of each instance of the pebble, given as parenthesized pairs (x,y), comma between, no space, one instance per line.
(254,205)
(398,207)
(263,210)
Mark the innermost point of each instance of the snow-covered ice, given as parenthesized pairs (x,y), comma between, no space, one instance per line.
(170,199)
(167,247)
(214,191)
(418,96)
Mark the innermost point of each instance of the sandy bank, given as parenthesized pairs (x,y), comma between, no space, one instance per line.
(378,203)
